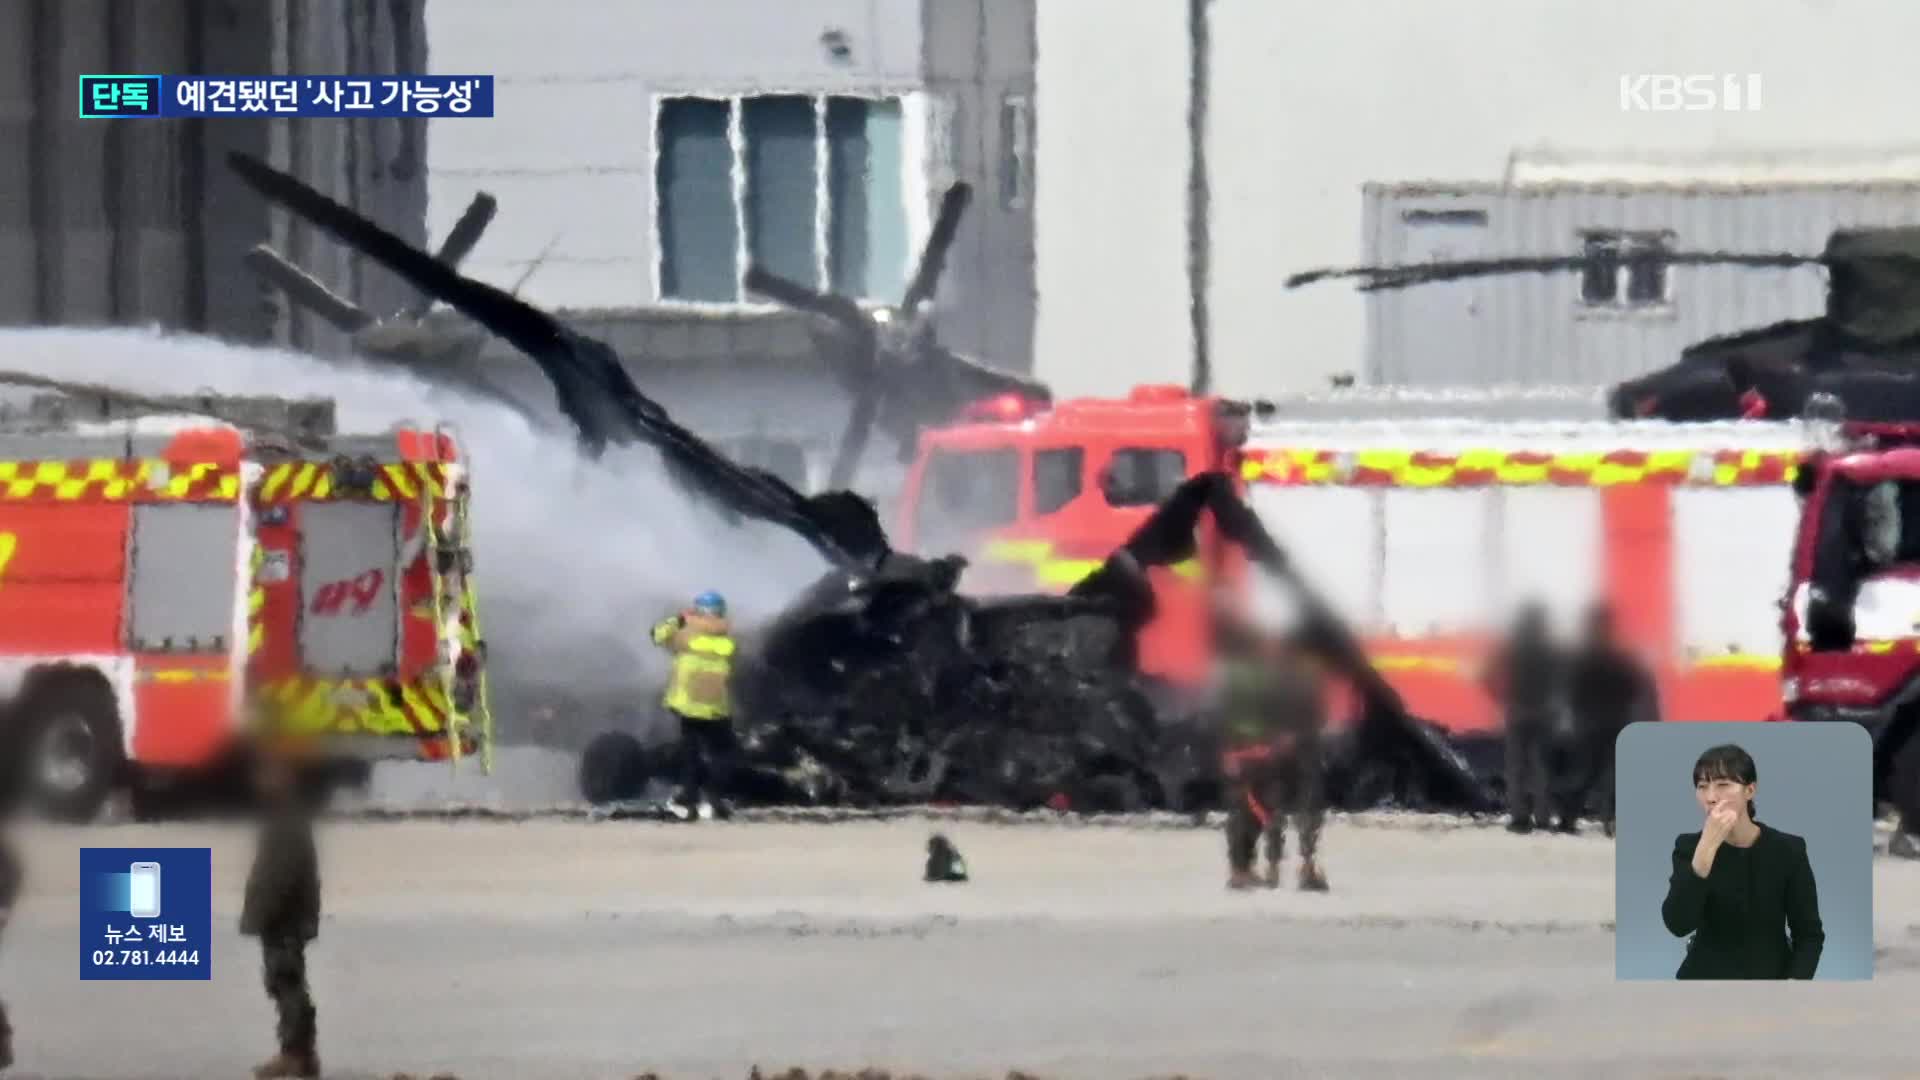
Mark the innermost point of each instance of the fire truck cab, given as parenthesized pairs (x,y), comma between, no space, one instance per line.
(1850,621)
(1037,496)
(167,581)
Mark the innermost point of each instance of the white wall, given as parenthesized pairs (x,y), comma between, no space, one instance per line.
(1310,100)
(1110,182)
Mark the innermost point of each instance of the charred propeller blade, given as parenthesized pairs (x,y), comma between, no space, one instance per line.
(460,243)
(306,290)
(897,377)
(591,386)
(1373,278)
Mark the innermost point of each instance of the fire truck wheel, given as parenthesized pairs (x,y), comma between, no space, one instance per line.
(613,768)
(74,756)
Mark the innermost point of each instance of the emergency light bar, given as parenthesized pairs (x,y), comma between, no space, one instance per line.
(1007,408)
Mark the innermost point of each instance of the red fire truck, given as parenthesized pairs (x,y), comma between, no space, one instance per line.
(163,579)
(1419,533)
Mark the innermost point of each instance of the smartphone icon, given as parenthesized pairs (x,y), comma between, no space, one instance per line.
(143,890)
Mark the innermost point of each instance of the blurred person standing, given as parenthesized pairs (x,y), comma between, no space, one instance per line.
(282,910)
(1526,676)
(11,877)
(1273,702)
(1607,689)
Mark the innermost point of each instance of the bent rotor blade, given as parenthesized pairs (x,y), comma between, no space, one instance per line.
(544,339)
(855,366)
(800,297)
(853,441)
(305,290)
(591,385)
(1401,276)
(933,258)
(468,230)
(460,242)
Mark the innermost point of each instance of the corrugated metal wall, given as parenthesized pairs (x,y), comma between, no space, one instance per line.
(1532,329)
(980,60)
(378,166)
(129,222)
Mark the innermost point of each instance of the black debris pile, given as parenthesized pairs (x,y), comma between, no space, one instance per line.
(937,698)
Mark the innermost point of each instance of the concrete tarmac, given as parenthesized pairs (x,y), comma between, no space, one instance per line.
(563,949)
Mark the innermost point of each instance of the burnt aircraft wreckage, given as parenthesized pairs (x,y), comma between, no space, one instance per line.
(407,339)
(1864,351)
(897,375)
(883,684)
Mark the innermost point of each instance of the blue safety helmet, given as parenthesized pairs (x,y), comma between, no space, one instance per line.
(710,603)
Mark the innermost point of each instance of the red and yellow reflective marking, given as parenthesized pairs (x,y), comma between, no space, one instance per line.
(1387,660)
(116,479)
(183,675)
(256,604)
(307,706)
(313,480)
(1485,468)
(1054,571)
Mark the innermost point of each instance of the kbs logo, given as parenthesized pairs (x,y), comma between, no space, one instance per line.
(1689,93)
(362,591)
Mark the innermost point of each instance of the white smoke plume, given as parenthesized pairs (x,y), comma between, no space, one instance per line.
(574,560)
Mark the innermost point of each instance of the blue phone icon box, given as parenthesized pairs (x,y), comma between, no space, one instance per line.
(146,913)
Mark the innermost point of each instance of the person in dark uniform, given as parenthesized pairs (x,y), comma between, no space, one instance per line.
(11,877)
(1526,678)
(282,909)
(1607,689)
(1273,704)
(1742,892)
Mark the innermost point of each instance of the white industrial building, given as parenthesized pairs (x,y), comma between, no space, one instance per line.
(633,139)
(1308,102)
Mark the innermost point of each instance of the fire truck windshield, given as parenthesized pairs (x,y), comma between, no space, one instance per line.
(1143,476)
(1866,530)
(965,492)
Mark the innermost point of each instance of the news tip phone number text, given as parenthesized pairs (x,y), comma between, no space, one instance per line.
(145,957)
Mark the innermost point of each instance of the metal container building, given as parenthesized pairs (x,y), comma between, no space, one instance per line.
(1583,329)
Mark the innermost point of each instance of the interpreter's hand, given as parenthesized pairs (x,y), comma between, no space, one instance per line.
(1720,822)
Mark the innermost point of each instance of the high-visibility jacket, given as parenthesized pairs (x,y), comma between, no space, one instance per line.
(702,666)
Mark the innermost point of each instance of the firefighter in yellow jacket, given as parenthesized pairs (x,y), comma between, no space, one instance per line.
(701,642)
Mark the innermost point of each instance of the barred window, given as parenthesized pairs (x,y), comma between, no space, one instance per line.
(809,186)
(1613,277)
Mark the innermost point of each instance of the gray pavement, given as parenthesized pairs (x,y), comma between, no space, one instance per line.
(560,949)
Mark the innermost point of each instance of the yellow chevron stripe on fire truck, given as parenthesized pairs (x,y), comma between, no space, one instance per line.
(293,480)
(357,706)
(1474,468)
(116,479)
(256,602)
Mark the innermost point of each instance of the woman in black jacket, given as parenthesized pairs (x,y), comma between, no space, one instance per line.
(1743,890)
